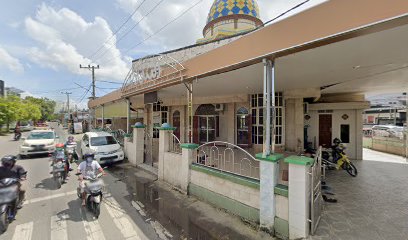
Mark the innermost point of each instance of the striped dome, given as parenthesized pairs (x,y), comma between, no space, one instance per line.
(221,8)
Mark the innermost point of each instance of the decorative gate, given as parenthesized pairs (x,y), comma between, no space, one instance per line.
(316,201)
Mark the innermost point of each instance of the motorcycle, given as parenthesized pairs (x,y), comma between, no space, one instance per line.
(9,200)
(70,149)
(59,169)
(17,136)
(336,158)
(340,160)
(94,194)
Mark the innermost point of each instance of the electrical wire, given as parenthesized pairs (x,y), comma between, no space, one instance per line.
(158,31)
(109,82)
(130,30)
(117,30)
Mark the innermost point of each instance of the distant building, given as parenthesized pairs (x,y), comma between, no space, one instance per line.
(12,91)
(1,88)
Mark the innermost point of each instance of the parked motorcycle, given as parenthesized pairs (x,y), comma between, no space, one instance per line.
(339,159)
(336,158)
(59,168)
(9,200)
(93,192)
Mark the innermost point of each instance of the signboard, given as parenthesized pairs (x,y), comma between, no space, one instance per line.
(150,97)
(78,127)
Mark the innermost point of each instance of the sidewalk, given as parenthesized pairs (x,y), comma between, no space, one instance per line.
(372,155)
(182,216)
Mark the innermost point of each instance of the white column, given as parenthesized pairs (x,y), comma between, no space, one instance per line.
(135,149)
(299,196)
(164,141)
(189,154)
(127,115)
(103,116)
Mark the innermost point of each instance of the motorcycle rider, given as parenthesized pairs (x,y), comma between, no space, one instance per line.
(59,152)
(17,131)
(9,169)
(86,169)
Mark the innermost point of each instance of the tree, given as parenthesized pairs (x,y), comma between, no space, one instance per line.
(10,110)
(47,107)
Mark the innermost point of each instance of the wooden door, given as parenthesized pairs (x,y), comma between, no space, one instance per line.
(325,130)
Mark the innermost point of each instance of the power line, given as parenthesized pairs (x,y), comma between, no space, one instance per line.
(282,14)
(109,82)
(161,29)
(137,23)
(92,68)
(117,30)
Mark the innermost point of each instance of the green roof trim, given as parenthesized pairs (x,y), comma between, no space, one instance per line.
(299,160)
(189,145)
(282,190)
(143,126)
(128,135)
(167,128)
(274,157)
(241,180)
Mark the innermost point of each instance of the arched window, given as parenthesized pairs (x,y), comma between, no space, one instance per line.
(206,124)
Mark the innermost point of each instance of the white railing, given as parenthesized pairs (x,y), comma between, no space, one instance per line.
(228,157)
(174,144)
(316,200)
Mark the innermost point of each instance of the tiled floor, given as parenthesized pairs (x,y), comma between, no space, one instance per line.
(372,206)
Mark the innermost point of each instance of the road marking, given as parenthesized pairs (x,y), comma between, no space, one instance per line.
(34,200)
(121,220)
(23,231)
(92,228)
(59,227)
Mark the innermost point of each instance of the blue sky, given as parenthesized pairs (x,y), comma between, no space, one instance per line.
(42,43)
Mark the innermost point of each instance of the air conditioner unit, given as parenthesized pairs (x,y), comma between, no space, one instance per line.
(219,107)
(305,108)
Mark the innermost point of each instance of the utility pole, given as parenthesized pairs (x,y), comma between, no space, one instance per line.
(92,68)
(67,93)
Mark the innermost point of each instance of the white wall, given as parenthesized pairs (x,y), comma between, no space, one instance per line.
(172,169)
(238,192)
(354,147)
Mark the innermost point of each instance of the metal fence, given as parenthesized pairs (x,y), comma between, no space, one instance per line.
(316,201)
(174,144)
(228,157)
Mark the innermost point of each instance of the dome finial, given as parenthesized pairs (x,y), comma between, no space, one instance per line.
(230,17)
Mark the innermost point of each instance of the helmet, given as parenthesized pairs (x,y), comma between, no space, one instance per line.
(89,155)
(336,141)
(59,145)
(71,138)
(8,161)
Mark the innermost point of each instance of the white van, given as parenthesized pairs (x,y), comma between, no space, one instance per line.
(105,147)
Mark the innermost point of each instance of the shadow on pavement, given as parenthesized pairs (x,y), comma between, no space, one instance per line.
(75,211)
(47,183)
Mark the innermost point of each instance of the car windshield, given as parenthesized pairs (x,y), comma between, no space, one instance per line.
(41,135)
(101,141)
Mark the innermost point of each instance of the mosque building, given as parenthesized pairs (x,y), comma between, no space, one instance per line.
(248,93)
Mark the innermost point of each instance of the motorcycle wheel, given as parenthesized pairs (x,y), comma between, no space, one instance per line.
(97,209)
(58,180)
(4,222)
(351,169)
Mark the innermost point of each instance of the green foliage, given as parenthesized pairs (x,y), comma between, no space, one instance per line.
(14,109)
(47,107)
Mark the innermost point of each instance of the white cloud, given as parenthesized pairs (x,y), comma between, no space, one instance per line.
(67,40)
(186,30)
(9,62)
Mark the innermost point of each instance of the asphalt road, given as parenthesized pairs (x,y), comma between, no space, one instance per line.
(51,213)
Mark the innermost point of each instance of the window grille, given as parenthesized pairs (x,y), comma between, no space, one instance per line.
(258,117)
